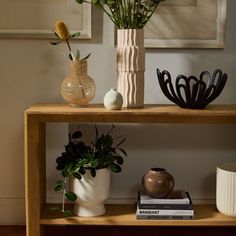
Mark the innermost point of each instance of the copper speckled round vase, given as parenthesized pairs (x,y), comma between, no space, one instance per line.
(158,183)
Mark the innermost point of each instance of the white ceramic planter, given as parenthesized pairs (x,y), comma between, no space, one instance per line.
(91,193)
(226,188)
(131,66)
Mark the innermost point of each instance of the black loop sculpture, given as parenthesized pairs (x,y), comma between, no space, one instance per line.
(190,92)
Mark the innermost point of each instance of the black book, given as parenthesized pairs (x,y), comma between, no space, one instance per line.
(161,217)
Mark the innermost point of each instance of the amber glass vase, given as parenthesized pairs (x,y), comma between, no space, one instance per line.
(78,89)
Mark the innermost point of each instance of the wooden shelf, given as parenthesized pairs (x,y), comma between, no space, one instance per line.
(35,120)
(205,215)
(214,114)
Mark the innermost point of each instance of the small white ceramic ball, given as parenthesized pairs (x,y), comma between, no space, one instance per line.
(113,100)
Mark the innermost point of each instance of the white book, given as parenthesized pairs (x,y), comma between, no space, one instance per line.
(177,197)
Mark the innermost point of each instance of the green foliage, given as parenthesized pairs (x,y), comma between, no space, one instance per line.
(78,158)
(126,14)
(102,153)
(70,196)
(67,213)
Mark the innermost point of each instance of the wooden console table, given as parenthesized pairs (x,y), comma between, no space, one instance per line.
(36,117)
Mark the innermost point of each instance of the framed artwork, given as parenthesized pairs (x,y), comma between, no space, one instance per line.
(36,18)
(187,24)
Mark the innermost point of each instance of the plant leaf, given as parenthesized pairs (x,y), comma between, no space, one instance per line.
(94,163)
(85,58)
(93,172)
(76,135)
(68,213)
(69,166)
(80,1)
(71,196)
(58,188)
(57,209)
(121,142)
(65,173)
(70,56)
(123,151)
(115,168)
(75,35)
(96,132)
(120,160)
(58,182)
(77,54)
(70,150)
(77,176)
(55,43)
(82,171)
(108,141)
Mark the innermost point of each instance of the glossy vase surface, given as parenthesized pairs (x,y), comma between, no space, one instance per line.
(131,66)
(78,88)
(158,183)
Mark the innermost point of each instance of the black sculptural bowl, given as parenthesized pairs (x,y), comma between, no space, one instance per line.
(190,92)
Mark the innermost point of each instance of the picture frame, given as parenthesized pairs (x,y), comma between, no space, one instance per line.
(36,18)
(187,24)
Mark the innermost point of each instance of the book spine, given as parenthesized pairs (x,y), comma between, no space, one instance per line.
(190,199)
(161,217)
(166,201)
(165,212)
(166,206)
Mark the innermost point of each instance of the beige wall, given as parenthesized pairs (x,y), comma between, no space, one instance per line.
(31,71)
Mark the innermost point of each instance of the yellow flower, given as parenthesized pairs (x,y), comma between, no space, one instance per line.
(62,30)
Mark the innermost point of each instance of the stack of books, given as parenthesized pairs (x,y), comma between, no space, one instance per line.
(177,207)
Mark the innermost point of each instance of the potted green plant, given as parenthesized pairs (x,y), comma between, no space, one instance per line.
(89,166)
(130,18)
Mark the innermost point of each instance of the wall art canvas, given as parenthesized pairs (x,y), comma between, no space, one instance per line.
(36,18)
(187,24)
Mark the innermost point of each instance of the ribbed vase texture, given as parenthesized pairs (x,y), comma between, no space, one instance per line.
(131,66)
(226,189)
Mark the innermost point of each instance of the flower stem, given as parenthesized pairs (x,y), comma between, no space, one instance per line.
(63,195)
(70,54)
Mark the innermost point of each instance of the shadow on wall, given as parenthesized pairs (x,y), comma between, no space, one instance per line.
(168,136)
(191,153)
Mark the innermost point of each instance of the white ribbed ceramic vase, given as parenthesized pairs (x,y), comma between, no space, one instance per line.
(131,66)
(226,188)
(91,193)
